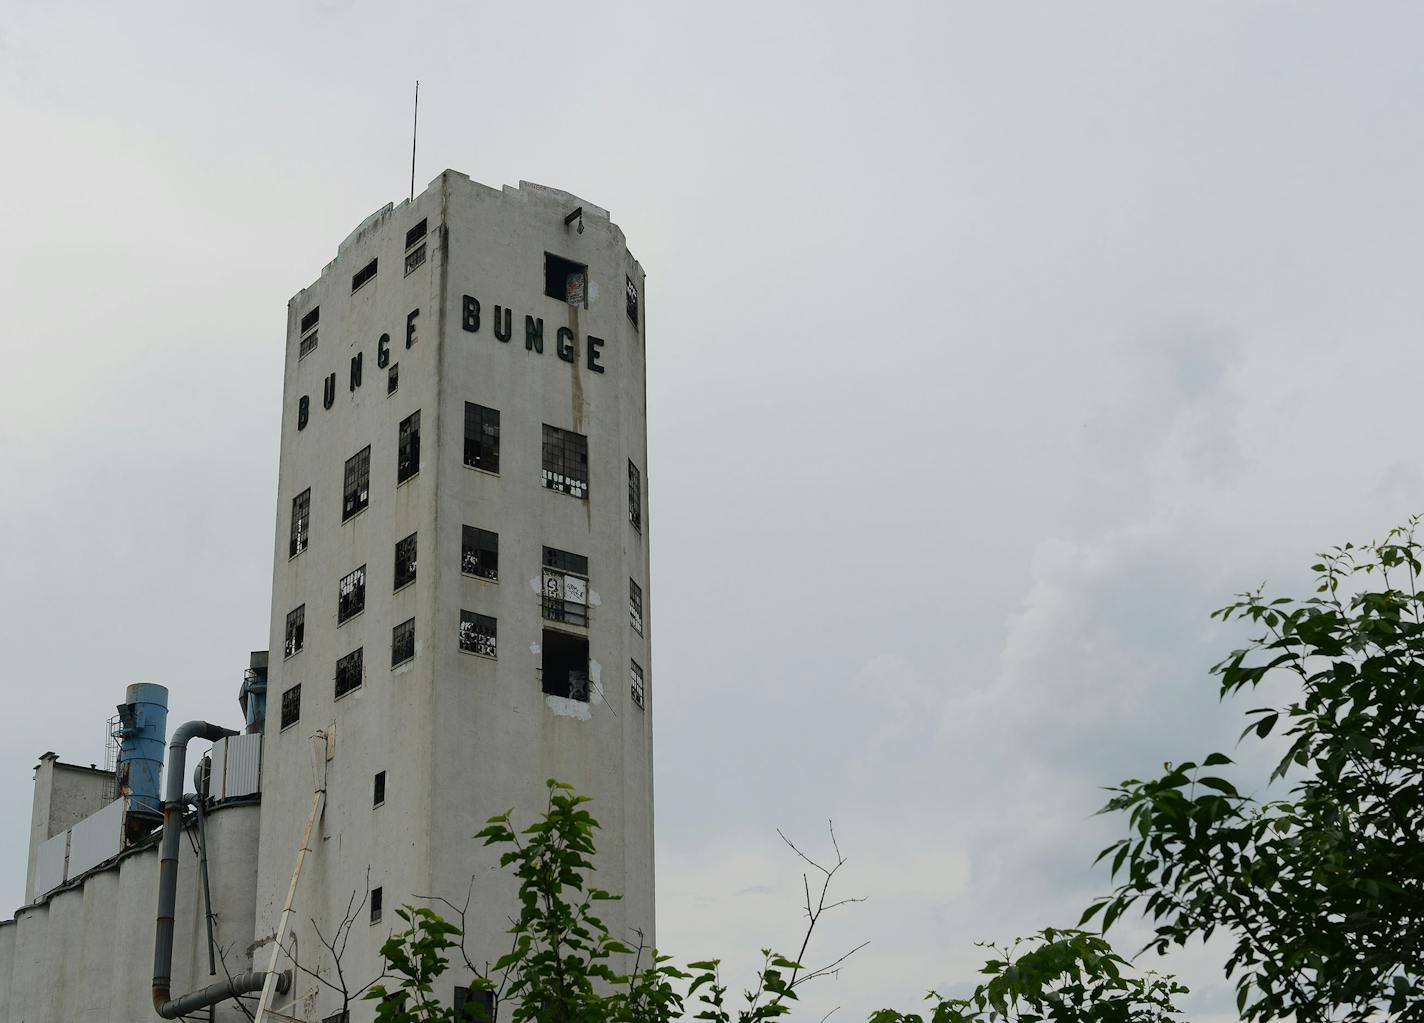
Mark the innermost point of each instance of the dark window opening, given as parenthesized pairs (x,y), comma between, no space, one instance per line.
(475,1006)
(308,333)
(356,487)
(565,461)
(363,275)
(415,234)
(402,642)
(351,595)
(291,705)
(393,378)
(408,448)
(635,496)
(405,562)
(565,587)
(478,634)
(296,630)
(376,899)
(479,552)
(565,665)
(565,280)
(311,319)
(307,345)
(632,305)
(337,1017)
(635,606)
(635,677)
(414,259)
(301,523)
(348,673)
(481,437)
(378,794)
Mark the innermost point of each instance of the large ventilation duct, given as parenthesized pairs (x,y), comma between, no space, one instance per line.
(246,983)
(143,725)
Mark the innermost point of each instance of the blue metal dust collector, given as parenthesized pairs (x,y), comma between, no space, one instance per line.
(142,731)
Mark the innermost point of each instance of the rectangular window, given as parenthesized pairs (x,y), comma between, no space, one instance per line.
(402,642)
(565,587)
(356,486)
(635,676)
(405,562)
(479,552)
(351,595)
(635,606)
(632,303)
(565,669)
(392,379)
(414,259)
(565,461)
(378,793)
(291,705)
(565,280)
(635,496)
(363,275)
(348,673)
(301,523)
(377,897)
(296,630)
(478,634)
(308,333)
(408,448)
(475,1006)
(337,1017)
(481,437)
(311,319)
(415,234)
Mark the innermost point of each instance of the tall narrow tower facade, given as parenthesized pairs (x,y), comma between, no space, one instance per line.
(461,602)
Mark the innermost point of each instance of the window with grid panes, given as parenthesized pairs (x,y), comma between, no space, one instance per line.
(296,630)
(348,672)
(565,461)
(479,552)
(635,496)
(405,562)
(402,642)
(481,437)
(291,705)
(301,523)
(635,606)
(356,485)
(478,634)
(565,587)
(351,595)
(635,677)
(408,448)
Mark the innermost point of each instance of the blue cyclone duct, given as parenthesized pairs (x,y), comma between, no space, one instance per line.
(143,728)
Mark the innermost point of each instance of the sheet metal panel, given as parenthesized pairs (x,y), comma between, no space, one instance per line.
(49,863)
(242,774)
(96,839)
(219,766)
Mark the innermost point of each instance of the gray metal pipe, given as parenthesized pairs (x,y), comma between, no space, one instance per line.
(245,983)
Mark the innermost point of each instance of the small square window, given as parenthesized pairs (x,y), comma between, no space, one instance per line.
(351,595)
(296,631)
(479,553)
(481,437)
(356,484)
(378,793)
(402,643)
(361,276)
(292,705)
(565,280)
(349,673)
(376,899)
(301,523)
(405,562)
(408,448)
(478,634)
(565,461)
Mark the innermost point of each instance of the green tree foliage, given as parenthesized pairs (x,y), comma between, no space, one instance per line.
(1321,891)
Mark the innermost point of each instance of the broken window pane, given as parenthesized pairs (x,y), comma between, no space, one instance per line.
(378,793)
(565,668)
(565,461)
(565,280)
(414,259)
(635,606)
(402,642)
(405,562)
(393,378)
(296,630)
(565,587)
(635,496)
(635,675)
(291,705)
(351,595)
(356,487)
(301,523)
(477,633)
(348,673)
(481,437)
(408,448)
(479,552)
(632,303)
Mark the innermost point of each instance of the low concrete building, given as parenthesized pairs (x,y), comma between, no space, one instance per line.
(460,610)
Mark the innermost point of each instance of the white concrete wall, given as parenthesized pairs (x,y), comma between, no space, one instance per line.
(65,794)
(85,955)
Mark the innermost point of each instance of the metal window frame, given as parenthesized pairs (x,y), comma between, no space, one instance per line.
(401,581)
(403,643)
(408,448)
(478,534)
(485,437)
(352,663)
(296,628)
(356,484)
(565,462)
(474,628)
(300,536)
(291,698)
(350,590)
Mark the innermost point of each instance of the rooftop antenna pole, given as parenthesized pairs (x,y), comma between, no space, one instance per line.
(414,127)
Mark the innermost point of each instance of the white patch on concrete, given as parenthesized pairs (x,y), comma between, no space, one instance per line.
(594,600)
(595,676)
(566,708)
(537,585)
(535,649)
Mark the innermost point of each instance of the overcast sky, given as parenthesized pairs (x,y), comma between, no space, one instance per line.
(991,346)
